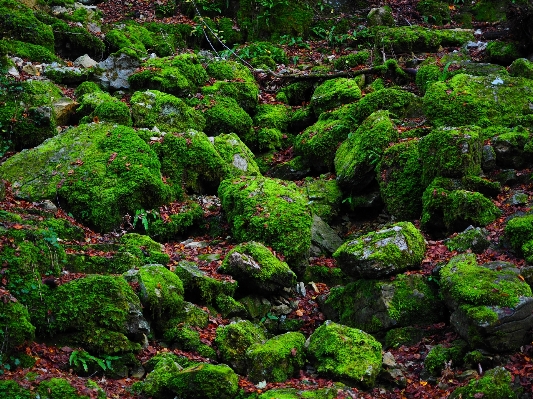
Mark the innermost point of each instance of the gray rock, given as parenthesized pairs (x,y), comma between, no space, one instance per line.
(488,161)
(324,240)
(116,70)
(472,238)
(85,61)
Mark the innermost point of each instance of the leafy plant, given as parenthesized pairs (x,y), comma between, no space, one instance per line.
(269,316)
(83,358)
(445,73)
(142,216)
(294,41)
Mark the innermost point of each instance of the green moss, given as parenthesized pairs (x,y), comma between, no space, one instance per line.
(466,282)
(143,248)
(446,207)
(199,287)
(229,70)
(76,40)
(10,389)
(113,112)
(15,326)
(85,88)
(426,75)
(29,51)
(495,384)
(519,231)
(270,211)
(91,311)
(205,381)
(521,67)
(177,224)
(408,300)
(18,22)
(224,115)
(245,93)
(270,273)
(277,359)
(238,157)
(27,115)
(233,340)
(416,38)
(296,93)
(399,175)
(169,113)
(439,356)
(318,143)
(185,338)
(479,100)
(161,293)
(351,60)
(403,336)
(333,93)
(90,97)
(504,52)
(191,163)
(346,353)
(325,196)
(180,75)
(355,158)
(434,11)
(272,116)
(58,388)
(451,152)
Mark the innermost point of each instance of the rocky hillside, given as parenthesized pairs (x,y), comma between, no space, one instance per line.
(266,199)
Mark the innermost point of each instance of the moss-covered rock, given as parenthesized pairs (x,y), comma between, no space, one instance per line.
(333,93)
(399,174)
(496,383)
(27,115)
(205,381)
(356,158)
(435,11)
(113,111)
(325,196)
(233,340)
(76,40)
(451,152)
(17,21)
(12,389)
(278,359)
(15,325)
(257,269)
(29,51)
(376,306)
(272,116)
(200,287)
(169,113)
(513,148)
(246,93)
(161,292)
(503,52)
(384,252)
(351,60)
(270,211)
(381,16)
(419,39)
(296,93)
(447,207)
(474,239)
(521,67)
(99,172)
(519,233)
(58,388)
(229,70)
(186,338)
(490,304)
(238,157)
(179,75)
(224,115)
(479,100)
(317,144)
(185,217)
(345,353)
(97,312)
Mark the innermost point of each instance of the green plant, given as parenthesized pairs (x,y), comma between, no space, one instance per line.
(293,41)
(445,74)
(82,358)
(143,216)
(269,316)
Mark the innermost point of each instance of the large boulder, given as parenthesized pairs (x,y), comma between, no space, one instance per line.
(384,252)
(15,326)
(27,115)
(234,339)
(345,353)
(399,174)
(376,306)
(278,359)
(490,305)
(448,207)
(479,100)
(116,69)
(169,113)
(334,93)
(98,172)
(270,211)
(451,152)
(356,158)
(257,269)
